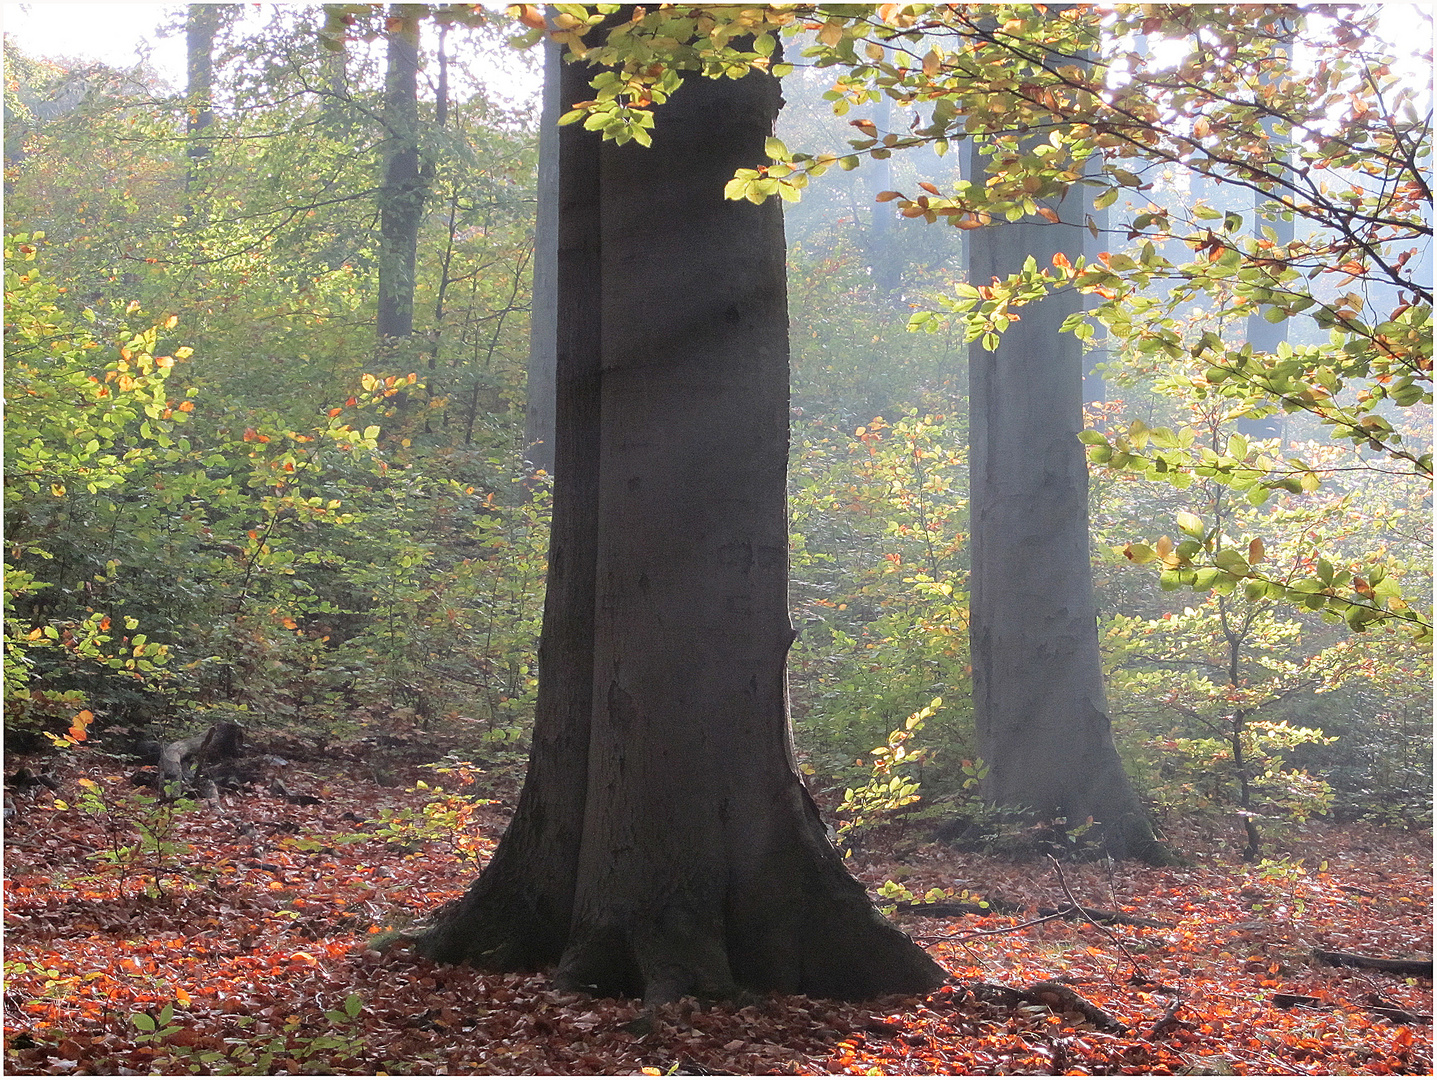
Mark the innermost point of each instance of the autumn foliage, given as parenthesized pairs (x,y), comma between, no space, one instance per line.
(269,949)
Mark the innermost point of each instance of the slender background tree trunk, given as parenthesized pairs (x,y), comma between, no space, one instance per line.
(1039,705)
(543,324)
(401,198)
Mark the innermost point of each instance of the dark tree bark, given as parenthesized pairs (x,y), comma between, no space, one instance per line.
(1039,705)
(406,181)
(543,322)
(664,843)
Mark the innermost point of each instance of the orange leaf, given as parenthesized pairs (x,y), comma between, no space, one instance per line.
(529,15)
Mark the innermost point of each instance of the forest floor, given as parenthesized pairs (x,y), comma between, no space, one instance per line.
(259,955)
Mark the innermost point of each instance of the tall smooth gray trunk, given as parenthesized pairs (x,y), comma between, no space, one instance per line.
(664,843)
(544,310)
(1039,705)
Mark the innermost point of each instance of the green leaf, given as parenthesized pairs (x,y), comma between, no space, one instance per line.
(775,149)
(1232,562)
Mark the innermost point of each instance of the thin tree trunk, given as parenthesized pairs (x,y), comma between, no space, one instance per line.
(700,864)
(884,256)
(1039,706)
(401,199)
(539,414)
(202,23)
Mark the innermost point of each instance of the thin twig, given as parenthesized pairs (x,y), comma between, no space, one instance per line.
(970,935)
(1073,901)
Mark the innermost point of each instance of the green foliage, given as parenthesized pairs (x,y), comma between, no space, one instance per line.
(887,790)
(288,571)
(877,531)
(445,817)
(1324,193)
(294,1045)
(139,830)
(322,544)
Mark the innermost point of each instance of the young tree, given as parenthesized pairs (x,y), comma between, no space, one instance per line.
(664,843)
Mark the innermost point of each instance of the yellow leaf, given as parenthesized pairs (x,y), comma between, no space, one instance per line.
(932,63)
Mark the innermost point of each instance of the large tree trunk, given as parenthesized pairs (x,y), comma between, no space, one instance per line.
(683,854)
(1039,705)
(401,198)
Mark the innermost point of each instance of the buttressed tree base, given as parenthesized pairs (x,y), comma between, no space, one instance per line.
(664,843)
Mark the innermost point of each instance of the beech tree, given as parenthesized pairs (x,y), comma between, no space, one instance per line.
(1233,109)
(1038,700)
(664,843)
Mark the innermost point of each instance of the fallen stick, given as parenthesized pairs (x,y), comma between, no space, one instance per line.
(941,908)
(1419,968)
(1389,1012)
(1056,996)
(1167,1020)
